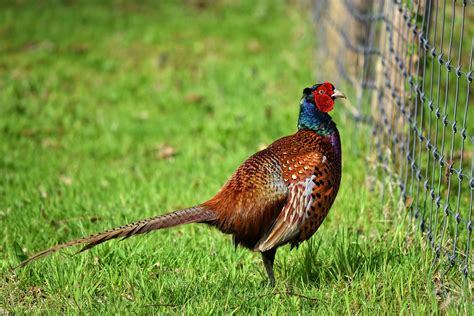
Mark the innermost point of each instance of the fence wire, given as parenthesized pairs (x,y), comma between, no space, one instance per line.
(410,63)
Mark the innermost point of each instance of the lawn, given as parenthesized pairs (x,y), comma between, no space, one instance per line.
(112,112)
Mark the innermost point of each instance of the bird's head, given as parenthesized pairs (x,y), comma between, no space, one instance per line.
(322,95)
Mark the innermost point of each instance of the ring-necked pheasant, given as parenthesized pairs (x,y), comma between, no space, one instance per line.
(279,195)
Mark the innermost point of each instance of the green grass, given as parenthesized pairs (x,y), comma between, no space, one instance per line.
(91,95)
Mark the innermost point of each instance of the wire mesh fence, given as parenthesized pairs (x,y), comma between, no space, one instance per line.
(410,63)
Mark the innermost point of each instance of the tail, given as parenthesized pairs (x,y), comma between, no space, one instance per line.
(195,214)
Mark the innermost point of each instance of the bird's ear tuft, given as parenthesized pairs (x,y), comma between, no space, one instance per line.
(307,91)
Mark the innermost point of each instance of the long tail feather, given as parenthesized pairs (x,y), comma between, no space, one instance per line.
(190,215)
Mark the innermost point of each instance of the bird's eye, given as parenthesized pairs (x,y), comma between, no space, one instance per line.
(321,91)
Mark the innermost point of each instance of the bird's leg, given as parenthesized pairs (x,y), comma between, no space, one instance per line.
(268,258)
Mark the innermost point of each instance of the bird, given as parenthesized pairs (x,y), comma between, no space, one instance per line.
(278,196)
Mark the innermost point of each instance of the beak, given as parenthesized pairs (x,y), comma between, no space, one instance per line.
(337,94)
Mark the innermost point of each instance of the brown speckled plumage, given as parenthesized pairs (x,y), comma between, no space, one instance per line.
(261,194)
(279,195)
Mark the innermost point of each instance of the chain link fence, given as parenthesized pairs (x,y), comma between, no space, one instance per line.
(410,63)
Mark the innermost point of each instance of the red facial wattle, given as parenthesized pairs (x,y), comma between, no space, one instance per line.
(322,97)
(324,102)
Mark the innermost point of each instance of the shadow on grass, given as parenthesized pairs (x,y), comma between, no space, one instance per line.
(344,257)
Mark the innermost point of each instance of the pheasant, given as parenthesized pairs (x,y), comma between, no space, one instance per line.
(279,195)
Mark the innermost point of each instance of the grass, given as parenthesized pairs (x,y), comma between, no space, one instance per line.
(112,112)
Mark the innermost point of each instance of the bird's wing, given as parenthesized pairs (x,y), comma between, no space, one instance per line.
(249,202)
(307,176)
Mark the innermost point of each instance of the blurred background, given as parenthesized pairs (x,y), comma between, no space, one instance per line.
(113,111)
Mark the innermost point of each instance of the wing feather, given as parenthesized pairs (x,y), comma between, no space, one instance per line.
(288,223)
